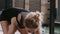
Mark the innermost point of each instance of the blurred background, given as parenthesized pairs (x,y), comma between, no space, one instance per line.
(35,5)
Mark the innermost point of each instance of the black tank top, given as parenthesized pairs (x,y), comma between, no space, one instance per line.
(13,12)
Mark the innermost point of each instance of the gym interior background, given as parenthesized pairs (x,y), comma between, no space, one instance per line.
(34,5)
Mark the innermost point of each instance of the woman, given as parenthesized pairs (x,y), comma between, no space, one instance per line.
(13,19)
(8,21)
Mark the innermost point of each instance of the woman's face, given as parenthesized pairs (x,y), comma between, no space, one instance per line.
(30,30)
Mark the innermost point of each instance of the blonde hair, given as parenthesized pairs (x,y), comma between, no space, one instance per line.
(32,20)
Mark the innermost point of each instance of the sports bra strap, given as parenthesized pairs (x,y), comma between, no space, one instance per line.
(20,24)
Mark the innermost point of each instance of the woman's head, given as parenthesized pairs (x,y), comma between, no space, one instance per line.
(32,21)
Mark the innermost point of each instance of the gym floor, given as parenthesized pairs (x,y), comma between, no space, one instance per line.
(57,30)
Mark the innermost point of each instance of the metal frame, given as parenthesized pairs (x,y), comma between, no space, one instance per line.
(52,9)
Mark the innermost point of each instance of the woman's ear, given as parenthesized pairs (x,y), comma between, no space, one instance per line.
(25,21)
(24,24)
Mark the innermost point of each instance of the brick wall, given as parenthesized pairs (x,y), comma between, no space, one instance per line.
(34,5)
(31,5)
(18,3)
(45,6)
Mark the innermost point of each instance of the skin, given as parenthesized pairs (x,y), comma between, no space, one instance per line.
(11,29)
(4,26)
(30,30)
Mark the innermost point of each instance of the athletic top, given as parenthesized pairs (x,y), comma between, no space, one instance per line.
(24,14)
(13,12)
